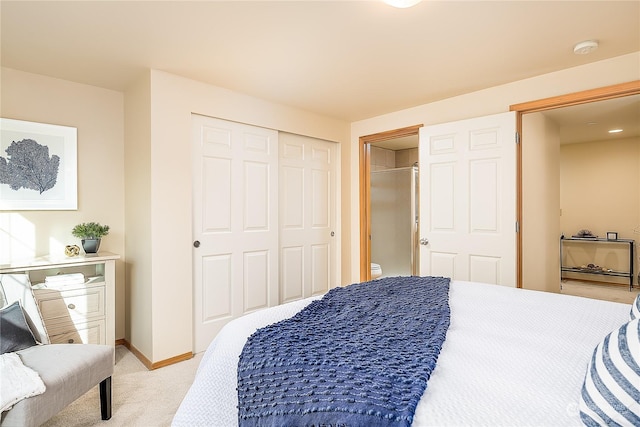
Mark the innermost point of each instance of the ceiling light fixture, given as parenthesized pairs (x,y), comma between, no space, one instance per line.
(585,47)
(402,4)
(615,131)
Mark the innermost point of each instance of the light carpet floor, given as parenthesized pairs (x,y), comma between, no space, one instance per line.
(139,397)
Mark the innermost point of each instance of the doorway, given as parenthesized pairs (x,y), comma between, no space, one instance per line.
(394,211)
(366,143)
(539,195)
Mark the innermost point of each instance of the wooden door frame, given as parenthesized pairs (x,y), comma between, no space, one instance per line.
(576,98)
(365,190)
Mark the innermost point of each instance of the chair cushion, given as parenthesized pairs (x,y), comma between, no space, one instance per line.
(15,334)
(68,371)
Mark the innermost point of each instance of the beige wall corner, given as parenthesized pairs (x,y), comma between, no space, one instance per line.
(139,243)
(173,100)
(99,118)
(540,203)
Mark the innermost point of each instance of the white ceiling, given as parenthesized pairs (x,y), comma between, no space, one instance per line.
(593,121)
(345,59)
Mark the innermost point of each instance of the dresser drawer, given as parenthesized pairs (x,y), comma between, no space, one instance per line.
(92,332)
(73,305)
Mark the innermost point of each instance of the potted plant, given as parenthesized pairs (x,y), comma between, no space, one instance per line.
(90,233)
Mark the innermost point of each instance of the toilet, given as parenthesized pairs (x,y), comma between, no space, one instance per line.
(376,270)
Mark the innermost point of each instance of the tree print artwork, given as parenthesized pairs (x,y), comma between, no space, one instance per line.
(29,166)
(38,166)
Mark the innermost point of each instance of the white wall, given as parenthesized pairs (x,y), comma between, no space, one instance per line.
(139,242)
(540,203)
(600,186)
(156,201)
(167,278)
(489,101)
(600,192)
(98,115)
(158,172)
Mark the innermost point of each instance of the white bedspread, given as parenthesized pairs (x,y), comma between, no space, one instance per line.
(512,357)
(17,381)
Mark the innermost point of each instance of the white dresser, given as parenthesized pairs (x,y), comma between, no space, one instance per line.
(75,295)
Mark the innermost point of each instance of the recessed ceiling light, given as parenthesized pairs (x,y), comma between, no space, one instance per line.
(585,47)
(615,131)
(402,3)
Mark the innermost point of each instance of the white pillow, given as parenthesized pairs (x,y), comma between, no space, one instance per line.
(635,309)
(611,389)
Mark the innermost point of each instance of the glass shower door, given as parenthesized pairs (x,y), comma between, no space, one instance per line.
(393,220)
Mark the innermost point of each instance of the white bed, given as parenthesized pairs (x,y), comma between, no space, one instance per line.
(511,357)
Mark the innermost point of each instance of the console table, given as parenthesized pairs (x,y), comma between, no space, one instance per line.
(626,243)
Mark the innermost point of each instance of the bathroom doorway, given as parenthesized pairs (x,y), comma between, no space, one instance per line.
(387,161)
(394,214)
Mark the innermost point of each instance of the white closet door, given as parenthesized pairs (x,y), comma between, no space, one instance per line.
(308,188)
(235,203)
(468,199)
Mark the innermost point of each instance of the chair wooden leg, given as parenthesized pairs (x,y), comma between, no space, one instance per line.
(105,398)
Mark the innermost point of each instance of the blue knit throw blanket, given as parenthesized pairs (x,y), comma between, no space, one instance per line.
(360,356)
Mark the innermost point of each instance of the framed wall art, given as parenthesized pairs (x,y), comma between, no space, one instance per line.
(38,166)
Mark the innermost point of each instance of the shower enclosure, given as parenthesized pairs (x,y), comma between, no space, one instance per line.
(394,221)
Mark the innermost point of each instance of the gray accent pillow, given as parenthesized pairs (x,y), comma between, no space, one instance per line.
(17,287)
(14,332)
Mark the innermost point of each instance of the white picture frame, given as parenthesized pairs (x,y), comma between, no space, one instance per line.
(52,183)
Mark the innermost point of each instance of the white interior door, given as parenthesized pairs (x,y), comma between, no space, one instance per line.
(235,187)
(308,184)
(468,199)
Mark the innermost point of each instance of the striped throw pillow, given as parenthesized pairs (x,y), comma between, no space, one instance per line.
(611,389)
(635,309)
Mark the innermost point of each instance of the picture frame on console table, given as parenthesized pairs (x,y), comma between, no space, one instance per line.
(38,166)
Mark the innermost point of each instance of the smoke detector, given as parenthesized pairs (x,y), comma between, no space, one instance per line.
(585,47)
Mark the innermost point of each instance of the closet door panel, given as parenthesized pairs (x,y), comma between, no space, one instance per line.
(307,209)
(235,224)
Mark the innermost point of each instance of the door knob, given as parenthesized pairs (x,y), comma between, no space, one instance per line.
(196,244)
(424,241)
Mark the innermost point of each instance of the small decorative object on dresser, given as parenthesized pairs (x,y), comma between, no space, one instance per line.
(612,235)
(71,250)
(90,233)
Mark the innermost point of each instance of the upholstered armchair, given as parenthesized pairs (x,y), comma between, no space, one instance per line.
(40,379)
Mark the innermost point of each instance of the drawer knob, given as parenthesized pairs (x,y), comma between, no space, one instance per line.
(71,306)
(70,341)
